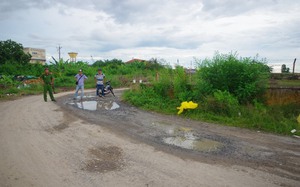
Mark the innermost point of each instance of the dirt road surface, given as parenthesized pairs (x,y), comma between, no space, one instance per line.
(64,144)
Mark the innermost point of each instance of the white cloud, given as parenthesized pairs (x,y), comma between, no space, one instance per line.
(145,29)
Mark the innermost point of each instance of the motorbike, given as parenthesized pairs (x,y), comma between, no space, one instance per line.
(107,89)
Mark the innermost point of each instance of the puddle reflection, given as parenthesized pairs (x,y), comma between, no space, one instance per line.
(96,105)
(111,105)
(203,144)
(184,137)
(87,105)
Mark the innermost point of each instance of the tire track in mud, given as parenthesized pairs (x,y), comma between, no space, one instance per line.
(190,139)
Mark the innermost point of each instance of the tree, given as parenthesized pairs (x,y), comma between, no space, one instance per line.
(284,69)
(113,63)
(59,66)
(11,51)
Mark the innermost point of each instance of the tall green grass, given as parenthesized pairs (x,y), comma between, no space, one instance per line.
(276,119)
(229,91)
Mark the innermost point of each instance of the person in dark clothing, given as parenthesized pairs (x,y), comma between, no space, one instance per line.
(48,80)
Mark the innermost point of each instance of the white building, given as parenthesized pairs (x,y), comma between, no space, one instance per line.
(37,55)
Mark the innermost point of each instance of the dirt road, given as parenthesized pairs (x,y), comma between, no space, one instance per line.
(65,144)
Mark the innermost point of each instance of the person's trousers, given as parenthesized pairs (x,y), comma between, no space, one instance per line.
(100,87)
(48,88)
(81,88)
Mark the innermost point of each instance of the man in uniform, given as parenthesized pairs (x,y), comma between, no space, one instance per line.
(48,79)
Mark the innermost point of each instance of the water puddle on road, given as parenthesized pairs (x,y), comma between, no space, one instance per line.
(185,137)
(95,105)
(87,105)
(203,144)
(111,105)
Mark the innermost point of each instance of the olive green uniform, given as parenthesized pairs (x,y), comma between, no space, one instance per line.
(47,78)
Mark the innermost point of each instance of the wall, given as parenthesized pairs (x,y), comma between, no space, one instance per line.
(37,55)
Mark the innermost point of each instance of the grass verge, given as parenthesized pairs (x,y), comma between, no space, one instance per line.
(279,119)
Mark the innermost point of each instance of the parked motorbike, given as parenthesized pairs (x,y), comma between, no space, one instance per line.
(107,89)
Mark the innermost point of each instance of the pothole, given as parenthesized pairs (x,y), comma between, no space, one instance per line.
(95,105)
(87,105)
(60,127)
(184,137)
(111,105)
(105,159)
(203,144)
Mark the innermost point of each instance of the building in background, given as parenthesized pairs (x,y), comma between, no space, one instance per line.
(37,55)
(73,56)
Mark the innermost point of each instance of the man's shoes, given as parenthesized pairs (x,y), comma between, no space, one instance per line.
(54,100)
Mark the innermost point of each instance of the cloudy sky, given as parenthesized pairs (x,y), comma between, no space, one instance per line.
(174,30)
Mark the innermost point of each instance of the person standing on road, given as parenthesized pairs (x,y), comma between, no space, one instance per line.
(79,83)
(99,78)
(48,80)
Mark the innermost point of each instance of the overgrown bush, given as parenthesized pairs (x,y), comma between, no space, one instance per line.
(164,86)
(180,84)
(173,84)
(146,97)
(245,78)
(221,103)
(6,81)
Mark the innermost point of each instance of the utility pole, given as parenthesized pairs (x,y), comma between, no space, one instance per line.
(294,65)
(58,49)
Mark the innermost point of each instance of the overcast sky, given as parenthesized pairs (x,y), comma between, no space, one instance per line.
(162,29)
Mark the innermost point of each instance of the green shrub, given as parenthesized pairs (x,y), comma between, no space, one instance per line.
(222,103)
(245,78)
(164,86)
(12,90)
(64,81)
(180,84)
(7,81)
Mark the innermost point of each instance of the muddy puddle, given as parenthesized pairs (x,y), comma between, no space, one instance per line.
(166,132)
(193,143)
(181,137)
(93,105)
(170,134)
(187,138)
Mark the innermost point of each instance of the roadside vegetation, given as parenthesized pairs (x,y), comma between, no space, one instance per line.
(13,77)
(230,90)
(19,77)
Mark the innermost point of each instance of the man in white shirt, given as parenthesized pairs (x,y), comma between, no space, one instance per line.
(99,78)
(80,83)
